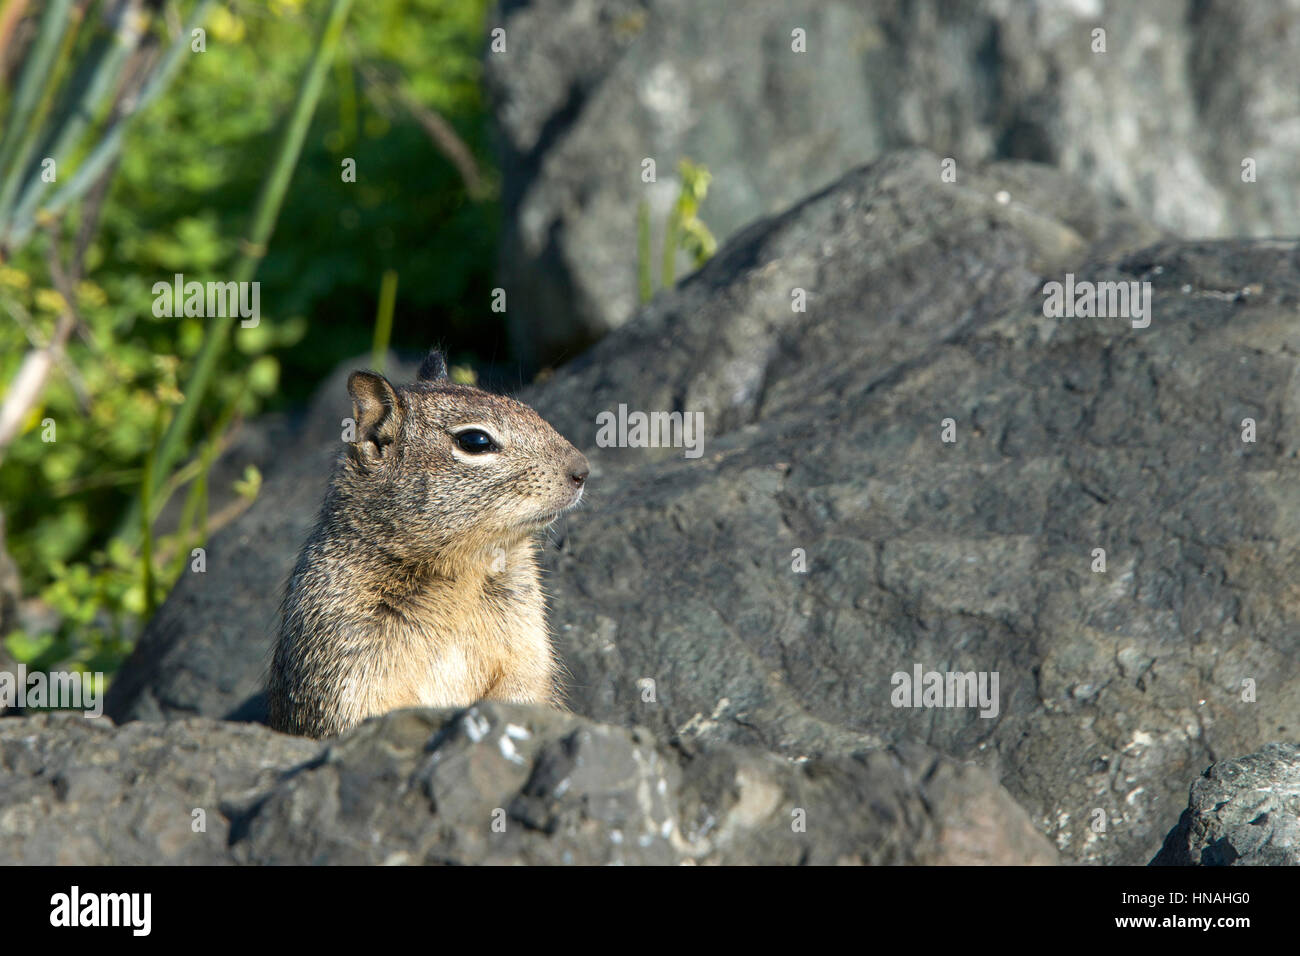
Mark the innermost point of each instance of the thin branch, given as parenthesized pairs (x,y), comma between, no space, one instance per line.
(265,212)
(94,85)
(216,522)
(24,319)
(439,131)
(28,384)
(65,283)
(9,17)
(91,208)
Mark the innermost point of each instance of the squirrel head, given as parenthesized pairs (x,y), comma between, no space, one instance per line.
(439,468)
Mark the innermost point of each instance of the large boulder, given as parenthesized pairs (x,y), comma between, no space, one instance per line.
(491,784)
(1185,92)
(1241,812)
(679,603)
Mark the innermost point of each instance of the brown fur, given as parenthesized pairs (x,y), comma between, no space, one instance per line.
(419,585)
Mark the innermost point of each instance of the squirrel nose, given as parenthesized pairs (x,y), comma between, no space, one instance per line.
(578,469)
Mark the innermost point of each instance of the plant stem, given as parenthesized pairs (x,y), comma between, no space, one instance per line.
(644,270)
(105,152)
(217,335)
(440,132)
(97,83)
(384,319)
(669,275)
(146,526)
(20,131)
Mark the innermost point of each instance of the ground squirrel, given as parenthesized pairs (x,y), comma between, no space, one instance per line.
(419,585)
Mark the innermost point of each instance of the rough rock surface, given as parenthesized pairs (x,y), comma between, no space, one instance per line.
(1242,812)
(78,791)
(823,433)
(493,784)
(1185,91)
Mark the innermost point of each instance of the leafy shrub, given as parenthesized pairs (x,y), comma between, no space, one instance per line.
(190,172)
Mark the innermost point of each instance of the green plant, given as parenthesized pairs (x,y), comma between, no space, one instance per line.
(683,231)
(384,320)
(90,597)
(92,87)
(217,335)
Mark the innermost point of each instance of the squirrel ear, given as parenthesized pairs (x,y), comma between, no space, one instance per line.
(378,413)
(433,368)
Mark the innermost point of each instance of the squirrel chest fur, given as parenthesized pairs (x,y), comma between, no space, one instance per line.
(419,585)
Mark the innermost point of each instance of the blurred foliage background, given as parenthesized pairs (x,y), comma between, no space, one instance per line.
(402,96)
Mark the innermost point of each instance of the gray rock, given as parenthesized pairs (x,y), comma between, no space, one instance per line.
(77,791)
(493,784)
(1074,435)
(823,434)
(1185,92)
(508,784)
(1241,812)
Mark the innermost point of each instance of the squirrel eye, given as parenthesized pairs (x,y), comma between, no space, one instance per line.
(476,442)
